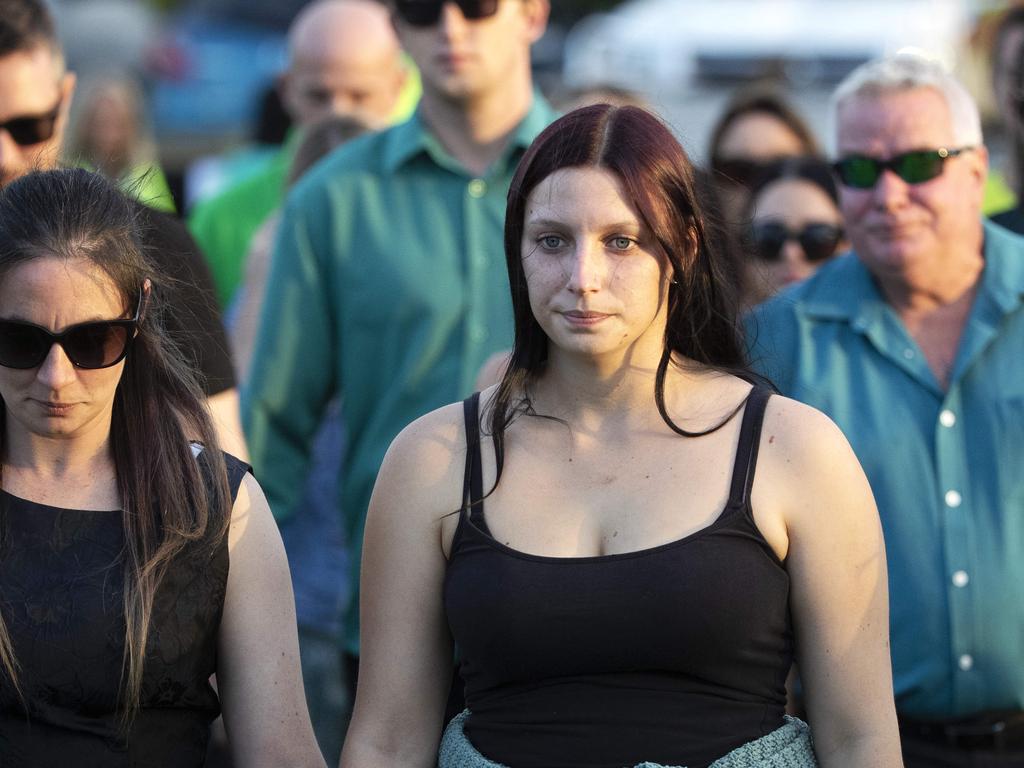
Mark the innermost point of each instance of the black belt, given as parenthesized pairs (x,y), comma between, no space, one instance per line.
(1000,731)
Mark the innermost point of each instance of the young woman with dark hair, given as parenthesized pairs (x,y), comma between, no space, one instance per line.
(620,585)
(795,226)
(136,559)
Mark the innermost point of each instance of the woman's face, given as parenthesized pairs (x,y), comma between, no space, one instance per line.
(751,141)
(783,211)
(596,285)
(55,399)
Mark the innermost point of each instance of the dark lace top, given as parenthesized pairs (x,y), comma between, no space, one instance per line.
(61,577)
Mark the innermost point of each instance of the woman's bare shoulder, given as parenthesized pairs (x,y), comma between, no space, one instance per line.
(801,431)
(430,443)
(423,470)
(808,454)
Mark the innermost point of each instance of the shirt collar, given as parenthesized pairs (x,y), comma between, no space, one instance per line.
(847,291)
(412,138)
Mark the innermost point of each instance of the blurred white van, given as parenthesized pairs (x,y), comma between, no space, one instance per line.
(663,45)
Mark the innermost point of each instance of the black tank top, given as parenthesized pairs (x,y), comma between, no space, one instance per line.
(61,584)
(675,654)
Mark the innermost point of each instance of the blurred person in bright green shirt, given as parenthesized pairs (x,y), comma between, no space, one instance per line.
(344,59)
(109,135)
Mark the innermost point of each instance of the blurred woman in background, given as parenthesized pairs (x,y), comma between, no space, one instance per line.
(109,135)
(757,128)
(795,226)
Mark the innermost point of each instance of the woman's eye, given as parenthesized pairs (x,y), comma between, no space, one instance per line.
(620,243)
(551,242)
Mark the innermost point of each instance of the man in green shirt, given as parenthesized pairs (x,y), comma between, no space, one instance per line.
(343,58)
(913,345)
(388,285)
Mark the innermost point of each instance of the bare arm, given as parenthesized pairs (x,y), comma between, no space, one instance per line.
(839,592)
(258,672)
(406,663)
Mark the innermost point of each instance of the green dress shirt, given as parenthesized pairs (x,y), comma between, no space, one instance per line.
(946,466)
(388,287)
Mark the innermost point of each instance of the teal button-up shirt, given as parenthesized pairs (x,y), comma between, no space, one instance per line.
(388,287)
(946,467)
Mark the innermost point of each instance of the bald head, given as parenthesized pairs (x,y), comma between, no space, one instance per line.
(344,59)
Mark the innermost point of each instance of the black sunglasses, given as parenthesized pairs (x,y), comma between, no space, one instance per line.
(33,129)
(426,13)
(915,167)
(818,241)
(97,344)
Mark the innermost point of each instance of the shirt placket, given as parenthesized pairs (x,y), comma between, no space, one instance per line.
(953,491)
(477,232)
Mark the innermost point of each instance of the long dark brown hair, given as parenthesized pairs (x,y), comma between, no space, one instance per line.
(168,500)
(658,179)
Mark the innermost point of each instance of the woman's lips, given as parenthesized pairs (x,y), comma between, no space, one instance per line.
(55,409)
(576,317)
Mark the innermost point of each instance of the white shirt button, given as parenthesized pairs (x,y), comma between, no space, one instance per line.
(966,662)
(908,353)
(960,578)
(477,188)
(953,499)
(947,418)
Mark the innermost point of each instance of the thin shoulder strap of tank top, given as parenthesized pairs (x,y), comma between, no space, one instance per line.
(749,442)
(473,482)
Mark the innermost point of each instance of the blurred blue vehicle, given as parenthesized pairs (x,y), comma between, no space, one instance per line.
(209,73)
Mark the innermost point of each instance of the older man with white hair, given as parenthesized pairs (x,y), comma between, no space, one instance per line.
(914,344)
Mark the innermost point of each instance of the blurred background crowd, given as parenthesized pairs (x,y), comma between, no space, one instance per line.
(196,78)
(183,99)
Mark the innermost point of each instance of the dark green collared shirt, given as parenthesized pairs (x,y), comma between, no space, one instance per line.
(388,287)
(946,467)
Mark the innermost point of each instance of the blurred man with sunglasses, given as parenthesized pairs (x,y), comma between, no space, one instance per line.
(388,285)
(35,97)
(35,92)
(914,345)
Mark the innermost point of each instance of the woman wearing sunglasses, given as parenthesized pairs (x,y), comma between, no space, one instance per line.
(627,539)
(795,225)
(120,517)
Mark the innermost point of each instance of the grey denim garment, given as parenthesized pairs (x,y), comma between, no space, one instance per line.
(789,746)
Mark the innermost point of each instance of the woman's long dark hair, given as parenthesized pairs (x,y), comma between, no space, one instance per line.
(159,409)
(658,179)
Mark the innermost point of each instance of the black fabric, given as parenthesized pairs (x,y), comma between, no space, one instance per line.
(675,654)
(192,318)
(61,576)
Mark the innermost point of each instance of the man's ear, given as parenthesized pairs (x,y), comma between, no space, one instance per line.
(66,87)
(979,166)
(67,92)
(282,84)
(537,13)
